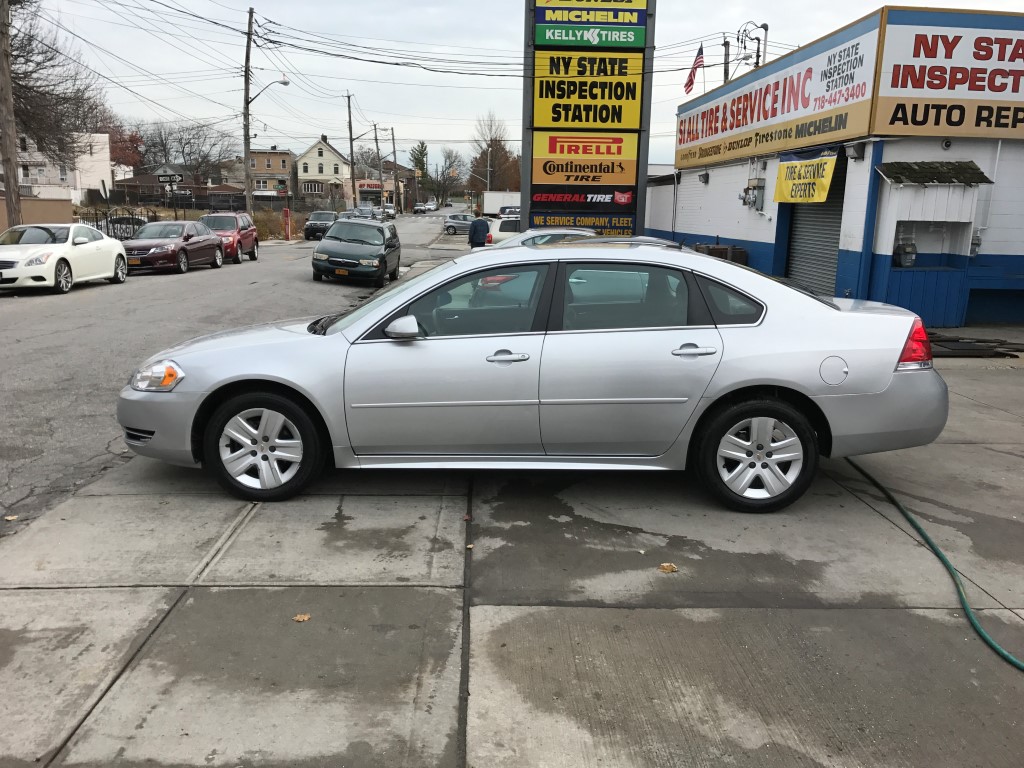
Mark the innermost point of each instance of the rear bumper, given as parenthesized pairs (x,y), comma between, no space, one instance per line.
(911,411)
(159,424)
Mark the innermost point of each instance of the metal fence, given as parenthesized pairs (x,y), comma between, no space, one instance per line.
(120,223)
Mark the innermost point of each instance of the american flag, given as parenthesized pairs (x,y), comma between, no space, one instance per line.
(697,63)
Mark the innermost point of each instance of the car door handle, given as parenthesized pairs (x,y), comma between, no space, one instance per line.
(505,356)
(692,350)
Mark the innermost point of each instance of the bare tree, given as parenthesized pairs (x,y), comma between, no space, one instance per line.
(448,175)
(158,144)
(367,161)
(493,160)
(201,148)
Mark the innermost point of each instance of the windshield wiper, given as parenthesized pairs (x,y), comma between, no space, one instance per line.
(332,237)
(319,327)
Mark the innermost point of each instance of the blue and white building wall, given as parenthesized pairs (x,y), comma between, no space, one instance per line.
(968,231)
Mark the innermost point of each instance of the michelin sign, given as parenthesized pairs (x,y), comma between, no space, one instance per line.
(614,25)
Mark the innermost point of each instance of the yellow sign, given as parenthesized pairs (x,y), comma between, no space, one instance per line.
(572,157)
(587,90)
(606,5)
(805,179)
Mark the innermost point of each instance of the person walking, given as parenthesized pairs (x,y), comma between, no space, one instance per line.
(478,231)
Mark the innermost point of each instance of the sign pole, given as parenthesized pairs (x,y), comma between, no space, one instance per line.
(526,158)
(645,121)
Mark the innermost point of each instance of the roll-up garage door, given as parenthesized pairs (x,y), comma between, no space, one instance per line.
(814,237)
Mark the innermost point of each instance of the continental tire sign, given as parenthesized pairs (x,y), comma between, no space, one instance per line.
(586,159)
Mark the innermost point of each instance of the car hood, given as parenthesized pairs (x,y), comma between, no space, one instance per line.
(139,245)
(235,338)
(348,250)
(19,252)
(224,232)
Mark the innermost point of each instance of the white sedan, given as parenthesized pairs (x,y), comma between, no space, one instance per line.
(56,256)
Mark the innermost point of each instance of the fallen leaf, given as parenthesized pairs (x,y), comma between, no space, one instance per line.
(467,518)
(301,617)
(10,518)
(668,568)
(469,546)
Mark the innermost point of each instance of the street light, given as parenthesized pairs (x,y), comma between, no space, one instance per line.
(744,34)
(246,138)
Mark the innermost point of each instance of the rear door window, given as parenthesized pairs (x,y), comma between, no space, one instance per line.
(616,296)
(728,306)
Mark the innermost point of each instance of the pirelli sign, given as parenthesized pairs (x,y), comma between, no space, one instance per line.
(586,113)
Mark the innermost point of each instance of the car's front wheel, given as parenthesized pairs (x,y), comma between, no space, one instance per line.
(120,270)
(450,230)
(317,277)
(62,277)
(758,456)
(393,274)
(262,446)
(182,262)
(218,259)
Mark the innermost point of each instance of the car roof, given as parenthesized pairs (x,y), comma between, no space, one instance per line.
(362,223)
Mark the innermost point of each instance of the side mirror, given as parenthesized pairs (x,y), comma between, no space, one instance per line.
(404,328)
(80,241)
(186,237)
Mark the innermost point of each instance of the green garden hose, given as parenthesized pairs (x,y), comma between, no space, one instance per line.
(961,593)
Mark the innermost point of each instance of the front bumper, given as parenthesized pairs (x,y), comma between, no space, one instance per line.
(153,261)
(911,411)
(159,424)
(27,277)
(329,268)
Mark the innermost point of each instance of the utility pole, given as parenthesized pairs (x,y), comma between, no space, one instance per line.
(380,164)
(394,158)
(245,117)
(725,43)
(8,127)
(351,152)
(488,165)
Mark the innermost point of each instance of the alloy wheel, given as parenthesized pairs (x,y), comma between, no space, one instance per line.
(62,277)
(120,270)
(759,458)
(261,448)
(182,262)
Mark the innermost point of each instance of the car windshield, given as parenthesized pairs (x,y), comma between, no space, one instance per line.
(159,231)
(321,217)
(34,235)
(350,232)
(220,222)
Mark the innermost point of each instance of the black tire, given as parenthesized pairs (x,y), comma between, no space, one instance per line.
(218,259)
(63,278)
(317,277)
(381,280)
(255,252)
(120,271)
(393,274)
(182,262)
(237,258)
(450,230)
(799,474)
(308,466)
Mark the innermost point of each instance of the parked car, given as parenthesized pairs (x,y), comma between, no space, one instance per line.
(619,355)
(359,249)
(174,245)
(509,212)
(318,223)
(457,222)
(419,208)
(389,211)
(430,206)
(547,236)
(378,213)
(502,229)
(363,212)
(57,256)
(237,234)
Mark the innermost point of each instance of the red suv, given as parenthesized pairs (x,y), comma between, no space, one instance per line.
(237,235)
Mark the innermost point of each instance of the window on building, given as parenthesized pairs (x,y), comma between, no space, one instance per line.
(305,167)
(319,151)
(23,144)
(312,188)
(24,172)
(269,163)
(63,171)
(284,163)
(320,168)
(261,184)
(252,162)
(336,169)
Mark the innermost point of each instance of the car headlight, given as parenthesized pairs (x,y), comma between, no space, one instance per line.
(37,261)
(369,262)
(162,376)
(225,240)
(319,256)
(162,249)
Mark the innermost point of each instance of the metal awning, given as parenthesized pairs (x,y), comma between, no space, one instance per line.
(964,172)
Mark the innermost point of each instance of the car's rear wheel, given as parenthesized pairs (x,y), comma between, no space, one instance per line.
(218,259)
(450,230)
(758,456)
(255,252)
(262,446)
(62,277)
(182,262)
(120,270)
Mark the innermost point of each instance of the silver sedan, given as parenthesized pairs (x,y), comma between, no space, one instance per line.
(612,356)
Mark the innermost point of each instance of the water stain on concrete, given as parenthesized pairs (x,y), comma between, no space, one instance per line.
(385,540)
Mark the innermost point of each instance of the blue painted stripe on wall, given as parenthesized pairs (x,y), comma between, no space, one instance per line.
(996,271)
(954,19)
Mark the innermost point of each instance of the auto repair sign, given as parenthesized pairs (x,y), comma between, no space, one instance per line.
(951,74)
(805,177)
(588,159)
(606,25)
(593,200)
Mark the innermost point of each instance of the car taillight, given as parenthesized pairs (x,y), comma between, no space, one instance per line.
(490,238)
(917,352)
(492,282)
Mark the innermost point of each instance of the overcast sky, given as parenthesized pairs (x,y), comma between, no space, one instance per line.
(181,66)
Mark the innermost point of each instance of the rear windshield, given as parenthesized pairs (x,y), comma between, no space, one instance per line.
(159,231)
(34,235)
(351,232)
(219,222)
(321,216)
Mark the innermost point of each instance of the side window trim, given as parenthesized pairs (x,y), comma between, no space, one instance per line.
(540,320)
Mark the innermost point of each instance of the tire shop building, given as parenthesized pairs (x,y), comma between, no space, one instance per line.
(884,161)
